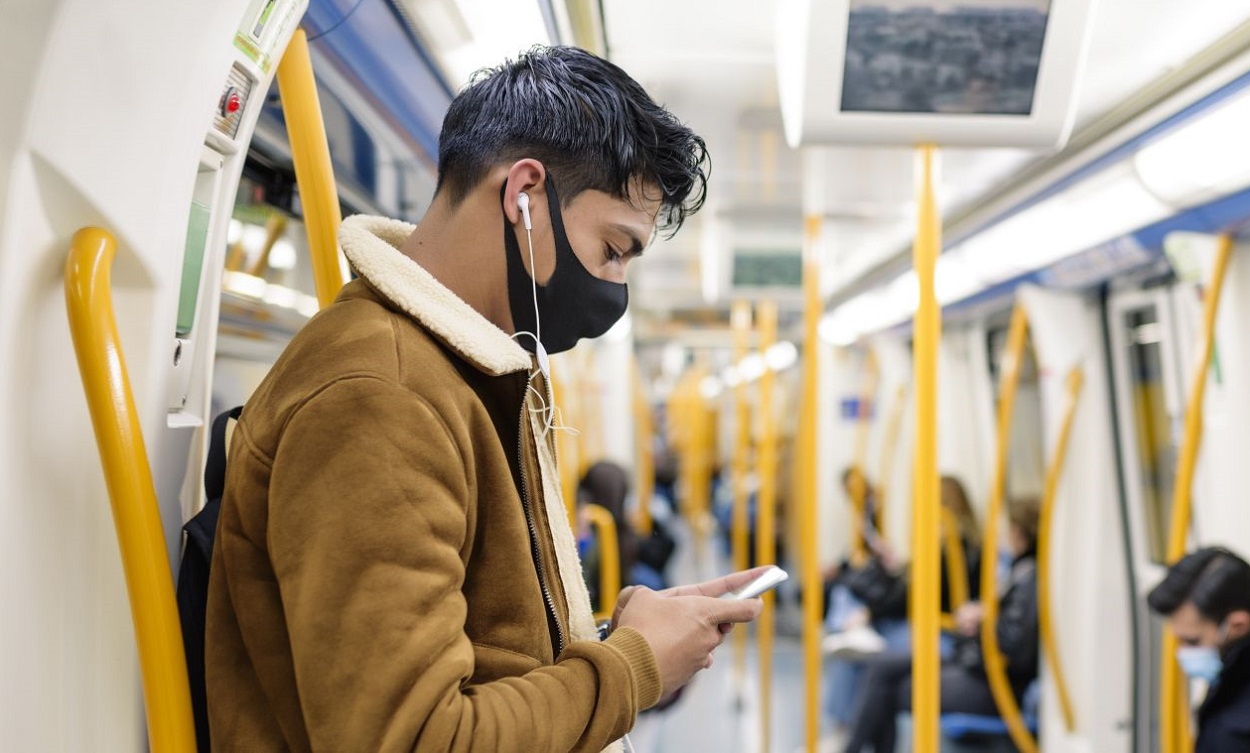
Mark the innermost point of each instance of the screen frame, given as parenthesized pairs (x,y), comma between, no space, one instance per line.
(811,50)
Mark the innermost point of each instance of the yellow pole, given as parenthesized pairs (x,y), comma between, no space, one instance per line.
(926,584)
(765,524)
(609,559)
(1076,380)
(1174,707)
(566,452)
(275,226)
(995,666)
(645,463)
(132,496)
(740,320)
(313,170)
(956,564)
(863,423)
(889,449)
(807,460)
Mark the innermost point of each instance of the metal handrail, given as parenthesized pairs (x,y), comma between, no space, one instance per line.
(765,524)
(1050,646)
(863,425)
(926,586)
(807,469)
(604,525)
(889,450)
(645,463)
(314,172)
(995,665)
(1173,705)
(132,495)
(740,320)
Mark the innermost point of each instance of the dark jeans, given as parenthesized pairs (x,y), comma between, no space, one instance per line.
(886,690)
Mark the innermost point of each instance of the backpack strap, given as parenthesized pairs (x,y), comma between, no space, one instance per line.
(215,468)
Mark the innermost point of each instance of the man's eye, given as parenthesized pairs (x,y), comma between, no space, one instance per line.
(610,254)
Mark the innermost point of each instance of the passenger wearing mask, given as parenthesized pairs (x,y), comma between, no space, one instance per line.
(964,686)
(394,567)
(1206,599)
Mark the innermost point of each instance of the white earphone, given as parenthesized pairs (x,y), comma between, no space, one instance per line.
(523,203)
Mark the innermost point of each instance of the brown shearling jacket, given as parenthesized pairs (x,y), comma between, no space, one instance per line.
(394,568)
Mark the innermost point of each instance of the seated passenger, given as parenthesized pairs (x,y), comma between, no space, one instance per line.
(607,484)
(965,688)
(1206,599)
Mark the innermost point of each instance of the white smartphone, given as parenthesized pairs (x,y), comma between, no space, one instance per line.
(765,581)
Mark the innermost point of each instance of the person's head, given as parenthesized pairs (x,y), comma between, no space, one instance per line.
(1022,522)
(605,484)
(955,499)
(1206,599)
(559,122)
(854,482)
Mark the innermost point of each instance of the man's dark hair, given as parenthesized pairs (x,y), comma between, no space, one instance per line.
(1214,579)
(585,119)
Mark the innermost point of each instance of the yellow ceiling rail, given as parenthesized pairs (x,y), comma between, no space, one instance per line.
(995,665)
(645,463)
(809,527)
(1173,703)
(889,450)
(766,520)
(1050,646)
(609,559)
(314,173)
(140,537)
(925,592)
(740,320)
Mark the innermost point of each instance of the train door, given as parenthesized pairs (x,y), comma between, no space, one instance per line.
(1145,358)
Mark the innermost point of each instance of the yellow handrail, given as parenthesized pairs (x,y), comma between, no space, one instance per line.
(645,464)
(1076,380)
(140,537)
(889,450)
(314,173)
(1173,706)
(956,564)
(566,450)
(740,320)
(924,593)
(609,559)
(765,523)
(995,665)
(808,522)
(863,423)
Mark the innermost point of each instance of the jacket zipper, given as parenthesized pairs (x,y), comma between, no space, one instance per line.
(548,602)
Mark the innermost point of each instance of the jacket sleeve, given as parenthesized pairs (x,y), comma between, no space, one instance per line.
(368,520)
(1018,622)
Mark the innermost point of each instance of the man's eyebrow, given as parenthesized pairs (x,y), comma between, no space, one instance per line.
(637,247)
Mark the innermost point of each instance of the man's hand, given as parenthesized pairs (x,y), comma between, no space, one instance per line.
(684,625)
(968,617)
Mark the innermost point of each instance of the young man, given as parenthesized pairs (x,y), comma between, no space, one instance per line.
(394,568)
(1206,599)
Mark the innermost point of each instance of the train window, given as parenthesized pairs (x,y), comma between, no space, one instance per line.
(1153,446)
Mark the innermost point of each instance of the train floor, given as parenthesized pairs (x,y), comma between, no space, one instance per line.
(720,710)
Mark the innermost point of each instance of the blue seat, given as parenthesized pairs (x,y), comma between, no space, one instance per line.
(967,726)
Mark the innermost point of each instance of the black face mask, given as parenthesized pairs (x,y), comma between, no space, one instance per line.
(572,305)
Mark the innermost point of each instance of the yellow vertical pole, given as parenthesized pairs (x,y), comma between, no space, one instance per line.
(1076,379)
(1174,707)
(925,588)
(566,449)
(645,462)
(863,424)
(740,320)
(807,513)
(765,523)
(995,666)
(888,452)
(314,172)
(132,496)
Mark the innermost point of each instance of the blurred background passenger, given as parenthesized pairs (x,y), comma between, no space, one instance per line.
(643,559)
(1206,599)
(964,686)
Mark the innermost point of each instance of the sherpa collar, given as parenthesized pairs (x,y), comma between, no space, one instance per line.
(372,245)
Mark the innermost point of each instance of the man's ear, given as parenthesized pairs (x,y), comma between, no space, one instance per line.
(1238,624)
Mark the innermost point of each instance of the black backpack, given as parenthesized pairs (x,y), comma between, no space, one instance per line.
(197,556)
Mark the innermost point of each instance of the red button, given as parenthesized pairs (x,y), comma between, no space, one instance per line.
(233,102)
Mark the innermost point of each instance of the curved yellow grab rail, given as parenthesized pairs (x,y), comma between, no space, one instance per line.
(925,599)
(645,463)
(314,173)
(809,543)
(1173,705)
(765,522)
(145,560)
(1076,380)
(740,320)
(889,450)
(609,559)
(995,666)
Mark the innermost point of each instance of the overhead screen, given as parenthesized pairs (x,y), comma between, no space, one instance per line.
(954,72)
